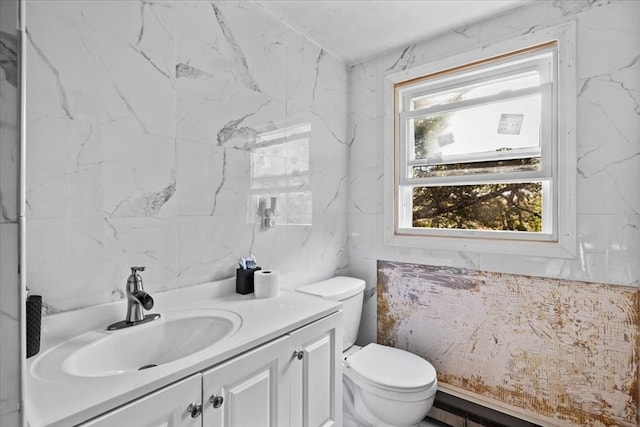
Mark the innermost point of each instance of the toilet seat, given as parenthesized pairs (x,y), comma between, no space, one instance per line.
(391,372)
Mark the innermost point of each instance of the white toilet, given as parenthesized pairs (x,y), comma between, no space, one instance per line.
(383,386)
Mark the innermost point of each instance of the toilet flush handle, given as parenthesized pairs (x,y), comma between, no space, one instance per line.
(298,354)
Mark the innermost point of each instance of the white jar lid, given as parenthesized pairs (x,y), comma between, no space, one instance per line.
(393,368)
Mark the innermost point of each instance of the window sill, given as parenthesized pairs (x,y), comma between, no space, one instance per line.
(564,248)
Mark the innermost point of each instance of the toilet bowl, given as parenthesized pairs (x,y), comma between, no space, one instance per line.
(388,386)
(383,386)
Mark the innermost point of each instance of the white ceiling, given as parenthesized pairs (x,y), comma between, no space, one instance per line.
(358,29)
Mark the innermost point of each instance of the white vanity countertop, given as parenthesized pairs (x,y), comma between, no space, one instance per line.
(64,399)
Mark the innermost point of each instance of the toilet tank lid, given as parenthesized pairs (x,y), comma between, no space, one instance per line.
(337,288)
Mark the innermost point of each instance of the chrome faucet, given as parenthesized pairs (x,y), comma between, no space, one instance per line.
(137,299)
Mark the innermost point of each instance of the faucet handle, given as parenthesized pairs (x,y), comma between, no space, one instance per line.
(134,282)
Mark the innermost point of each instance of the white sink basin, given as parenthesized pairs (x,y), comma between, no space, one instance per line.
(174,336)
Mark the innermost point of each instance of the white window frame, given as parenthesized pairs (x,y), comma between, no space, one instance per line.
(558,149)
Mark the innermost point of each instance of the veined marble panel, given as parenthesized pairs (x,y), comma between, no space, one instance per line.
(65,177)
(9,127)
(245,114)
(608,138)
(203,176)
(149,242)
(155,127)
(65,258)
(316,82)
(607,253)
(89,170)
(137,172)
(314,252)
(10,356)
(562,352)
(234,42)
(103,62)
(209,247)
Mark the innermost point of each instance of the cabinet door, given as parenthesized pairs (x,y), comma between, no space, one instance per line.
(164,408)
(250,390)
(315,373)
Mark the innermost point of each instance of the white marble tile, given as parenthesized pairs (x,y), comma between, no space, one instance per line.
(126,21)
(9,159)
(608,248)
(316,89)
(329,192)
(233,41)
(171,180)
(608,112)
(83,67)
(141,87)
(10,286)
(608,45)
(245,114)
(304,60)
(445,258)
(65,176)
(148,242)
(365,269)
(10,302)
(365,190)
(65,263)
(363,229)
(608,177)
(9,130)
(88,170)
(608,138)
(316,82)
(328,165)
(137,171)
(330,98)
(366,123)
(209,247)
(304,253)
(199,172)
(258,41)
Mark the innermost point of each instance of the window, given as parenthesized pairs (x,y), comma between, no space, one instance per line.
(477,146)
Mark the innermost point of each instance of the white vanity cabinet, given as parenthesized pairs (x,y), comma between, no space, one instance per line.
(294,380)
(279,366)
(315,373)
(164,408)
(249,390)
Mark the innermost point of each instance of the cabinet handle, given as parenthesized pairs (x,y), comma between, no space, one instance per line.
(194,409)
(216,401)
(298,354)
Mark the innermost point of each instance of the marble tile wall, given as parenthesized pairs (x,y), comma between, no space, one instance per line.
(10,360)
(608,173)
(152,130)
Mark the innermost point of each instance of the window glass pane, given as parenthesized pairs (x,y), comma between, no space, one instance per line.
(477,90)
(459,169)
(497,126)
(504,207)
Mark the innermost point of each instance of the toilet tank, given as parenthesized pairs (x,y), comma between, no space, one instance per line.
(347,290)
